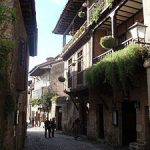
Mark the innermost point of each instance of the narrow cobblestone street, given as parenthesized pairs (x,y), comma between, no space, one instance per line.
(36,141)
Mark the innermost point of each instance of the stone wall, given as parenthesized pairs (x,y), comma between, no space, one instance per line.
(14,130)
(70,113)
(113,133)
(56,71)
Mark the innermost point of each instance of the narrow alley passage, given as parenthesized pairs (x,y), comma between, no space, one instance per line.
(36,141)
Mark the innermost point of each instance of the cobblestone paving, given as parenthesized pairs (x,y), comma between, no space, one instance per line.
(36,141)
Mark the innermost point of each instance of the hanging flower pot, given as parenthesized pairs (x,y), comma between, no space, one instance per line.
(107,42)
(81,14)
(61,79)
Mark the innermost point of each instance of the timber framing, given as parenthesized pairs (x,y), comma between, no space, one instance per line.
(29,16)
(67,17)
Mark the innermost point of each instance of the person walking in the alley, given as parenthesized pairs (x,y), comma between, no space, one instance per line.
(47,127)
(53,126)
(76,128)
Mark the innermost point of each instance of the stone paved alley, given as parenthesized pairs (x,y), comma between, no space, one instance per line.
(36,141)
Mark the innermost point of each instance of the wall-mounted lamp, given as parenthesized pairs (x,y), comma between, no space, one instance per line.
(138,31)
(76,98)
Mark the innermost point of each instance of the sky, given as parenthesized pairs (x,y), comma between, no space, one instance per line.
(49,44)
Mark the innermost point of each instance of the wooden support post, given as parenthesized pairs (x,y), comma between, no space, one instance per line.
(64,40)
(113,23)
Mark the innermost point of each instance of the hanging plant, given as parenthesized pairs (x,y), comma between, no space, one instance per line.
(95,15)
(75,36)
(61,79)
(107,42)
(110,2)
(81,14)
(118,69)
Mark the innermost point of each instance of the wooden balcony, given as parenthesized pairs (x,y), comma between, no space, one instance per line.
(109,52)
(126,43)
(76,37)
(102,4)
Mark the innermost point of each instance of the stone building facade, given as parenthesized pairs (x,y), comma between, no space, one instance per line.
(115,118)
(13,87)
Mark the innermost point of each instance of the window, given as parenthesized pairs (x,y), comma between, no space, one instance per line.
(22,53)
(80,61)
(69,68)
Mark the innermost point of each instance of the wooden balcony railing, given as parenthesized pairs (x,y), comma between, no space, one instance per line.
(121,46)
(76,36)
(100,57)
(125,43)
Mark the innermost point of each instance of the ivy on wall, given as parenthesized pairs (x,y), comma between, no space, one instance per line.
(7,15)
(118,69)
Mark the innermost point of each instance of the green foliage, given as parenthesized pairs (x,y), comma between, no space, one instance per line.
(118,69)
(54,98)
(36,102)
(47,103)
(110,2)
(7,13)
(81,14)
(95,15)
(107,42)
(77,34)
(5,46)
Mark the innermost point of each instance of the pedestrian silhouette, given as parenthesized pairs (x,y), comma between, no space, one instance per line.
(53,126)
(47,127)
(76,128)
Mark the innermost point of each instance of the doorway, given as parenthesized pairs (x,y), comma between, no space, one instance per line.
(59,117)
(128,123)
(83,118)
(100,121)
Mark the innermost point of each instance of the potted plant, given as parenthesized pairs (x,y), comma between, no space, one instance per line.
(81,14)
(107,42)
(61,79)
